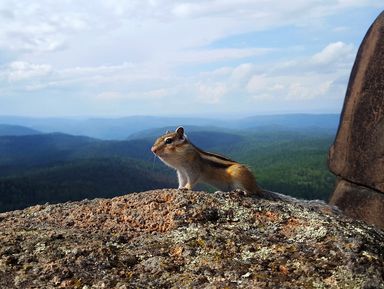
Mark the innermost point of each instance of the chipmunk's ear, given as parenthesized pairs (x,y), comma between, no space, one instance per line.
(180,132)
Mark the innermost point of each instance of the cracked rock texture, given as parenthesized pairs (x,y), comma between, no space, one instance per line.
(357,155)
(185,239)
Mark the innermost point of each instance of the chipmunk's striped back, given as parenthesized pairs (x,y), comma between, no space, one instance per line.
(214,160)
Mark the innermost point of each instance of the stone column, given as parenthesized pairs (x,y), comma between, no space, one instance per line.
(357,155)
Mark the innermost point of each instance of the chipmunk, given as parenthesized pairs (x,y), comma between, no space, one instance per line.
(193,165)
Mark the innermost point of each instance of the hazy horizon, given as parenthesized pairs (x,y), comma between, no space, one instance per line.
(179,58)
(233,115)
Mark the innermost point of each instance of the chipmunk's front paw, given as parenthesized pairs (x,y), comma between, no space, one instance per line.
(219,193)
(240,192)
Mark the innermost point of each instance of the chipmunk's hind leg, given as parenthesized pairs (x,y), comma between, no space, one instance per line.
(193,179)
(244,180)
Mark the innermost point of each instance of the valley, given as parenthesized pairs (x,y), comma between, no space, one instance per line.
(59,167)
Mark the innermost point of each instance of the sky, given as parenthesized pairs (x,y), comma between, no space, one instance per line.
(113,58)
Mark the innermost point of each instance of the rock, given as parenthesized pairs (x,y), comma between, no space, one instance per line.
(357,155)
(185,239)
(356,201)
(358,152)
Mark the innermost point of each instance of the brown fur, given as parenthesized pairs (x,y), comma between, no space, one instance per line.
(194,165)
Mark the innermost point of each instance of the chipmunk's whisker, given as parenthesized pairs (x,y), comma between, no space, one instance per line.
(154,160)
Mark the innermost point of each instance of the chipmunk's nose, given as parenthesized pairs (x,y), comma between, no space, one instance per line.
(154,149)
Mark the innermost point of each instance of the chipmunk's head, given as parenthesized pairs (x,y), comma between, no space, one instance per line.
(169,144)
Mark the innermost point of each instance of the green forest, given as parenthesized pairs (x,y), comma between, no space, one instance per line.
(35,169)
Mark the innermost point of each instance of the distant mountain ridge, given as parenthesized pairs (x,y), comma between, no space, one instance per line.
(40,150)
(16,130)
(122,128)
(57,167)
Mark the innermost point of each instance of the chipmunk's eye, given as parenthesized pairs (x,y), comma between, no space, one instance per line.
(168,140)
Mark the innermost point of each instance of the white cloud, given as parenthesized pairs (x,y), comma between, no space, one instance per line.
(216,55)
(357,3)
(142,50)
(257,83)
(266,13)
(305,78)
(139,9)
(307,89)
(219,72)
(333,52)
(109,96)
(242,71)
(289,88)
(118,96)
(152,94)
(334,57)
(211,93)
(43,26)
(20,70)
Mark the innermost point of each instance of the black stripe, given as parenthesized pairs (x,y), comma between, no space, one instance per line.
(221,162)
(216,164)
(212,154)
(218,156)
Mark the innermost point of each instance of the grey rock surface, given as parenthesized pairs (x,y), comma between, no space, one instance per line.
(184,239)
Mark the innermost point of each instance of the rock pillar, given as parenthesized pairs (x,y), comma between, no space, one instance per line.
(357,155)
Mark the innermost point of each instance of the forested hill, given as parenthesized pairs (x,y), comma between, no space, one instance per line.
(24,152)
(16,130)
(58,167)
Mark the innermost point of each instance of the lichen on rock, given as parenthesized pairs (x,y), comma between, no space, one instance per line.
(179,239)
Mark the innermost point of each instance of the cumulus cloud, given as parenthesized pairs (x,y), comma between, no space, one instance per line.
(19,70)
(111,51)
(289,88)
(30,26)
(321,75)
(333,52)
(211,93)
(43,26)
(242,71)
(307,88)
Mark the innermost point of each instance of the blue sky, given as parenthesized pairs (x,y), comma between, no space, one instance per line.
(161,57)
